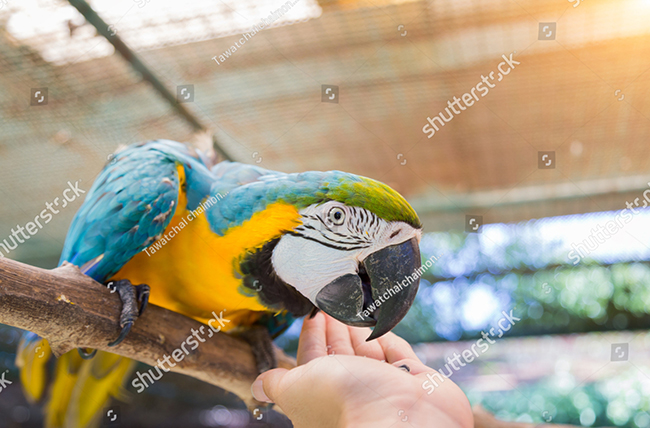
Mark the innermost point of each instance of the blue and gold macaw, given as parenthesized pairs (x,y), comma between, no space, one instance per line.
(262,246)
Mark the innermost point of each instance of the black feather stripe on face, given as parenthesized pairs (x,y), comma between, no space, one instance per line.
(332,243)
(259,278)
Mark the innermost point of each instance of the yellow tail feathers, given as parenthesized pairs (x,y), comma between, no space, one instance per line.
(97,381)
(80,388)
(65,378)
(31,358)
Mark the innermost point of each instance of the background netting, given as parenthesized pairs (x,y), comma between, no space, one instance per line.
(395,64)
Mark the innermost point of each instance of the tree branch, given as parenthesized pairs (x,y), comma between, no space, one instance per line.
(71,310)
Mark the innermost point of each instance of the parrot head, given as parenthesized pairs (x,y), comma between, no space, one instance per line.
(354,253)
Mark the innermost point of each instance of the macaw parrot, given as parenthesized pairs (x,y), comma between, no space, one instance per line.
(264,247)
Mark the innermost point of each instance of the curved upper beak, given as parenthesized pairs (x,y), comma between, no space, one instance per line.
(381,294)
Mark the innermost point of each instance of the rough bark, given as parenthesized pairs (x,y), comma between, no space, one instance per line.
(71,310)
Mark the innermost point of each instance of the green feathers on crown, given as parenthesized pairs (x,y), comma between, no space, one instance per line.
(305,189)
(365,193)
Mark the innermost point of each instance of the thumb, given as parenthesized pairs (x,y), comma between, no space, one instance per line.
(266,387)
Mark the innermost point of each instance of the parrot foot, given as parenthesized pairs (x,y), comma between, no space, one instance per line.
(134,301)
(259,339)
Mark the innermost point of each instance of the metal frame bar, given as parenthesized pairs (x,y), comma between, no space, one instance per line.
(138,65)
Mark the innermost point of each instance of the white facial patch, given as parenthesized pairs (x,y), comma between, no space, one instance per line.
(333,239)
(309,266)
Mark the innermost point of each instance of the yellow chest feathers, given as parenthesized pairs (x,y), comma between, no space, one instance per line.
(193,271)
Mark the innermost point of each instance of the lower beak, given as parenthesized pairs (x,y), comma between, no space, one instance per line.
(381,294)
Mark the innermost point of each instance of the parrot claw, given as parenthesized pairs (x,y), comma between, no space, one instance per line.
(125,330)
(259,339)
(142,291)
(134,301)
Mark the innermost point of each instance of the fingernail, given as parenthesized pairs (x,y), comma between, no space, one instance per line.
(258,392)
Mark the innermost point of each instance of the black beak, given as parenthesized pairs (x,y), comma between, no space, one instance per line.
(381,294)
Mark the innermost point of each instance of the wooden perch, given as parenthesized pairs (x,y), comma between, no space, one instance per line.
(71,310)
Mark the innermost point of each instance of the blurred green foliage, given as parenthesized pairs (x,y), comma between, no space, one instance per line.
(620,401)
(528,274)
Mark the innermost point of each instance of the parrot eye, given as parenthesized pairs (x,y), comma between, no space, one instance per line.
(337,216)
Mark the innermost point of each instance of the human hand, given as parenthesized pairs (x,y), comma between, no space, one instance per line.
(341,388)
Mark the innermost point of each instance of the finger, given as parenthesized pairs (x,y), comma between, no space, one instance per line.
(266,387)
(338,338)
(313,341)
(370,349)
(414,367)
(395,348)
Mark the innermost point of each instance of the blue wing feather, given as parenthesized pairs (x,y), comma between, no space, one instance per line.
(131,202)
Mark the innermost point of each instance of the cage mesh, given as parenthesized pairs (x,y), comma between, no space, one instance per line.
(581,94)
